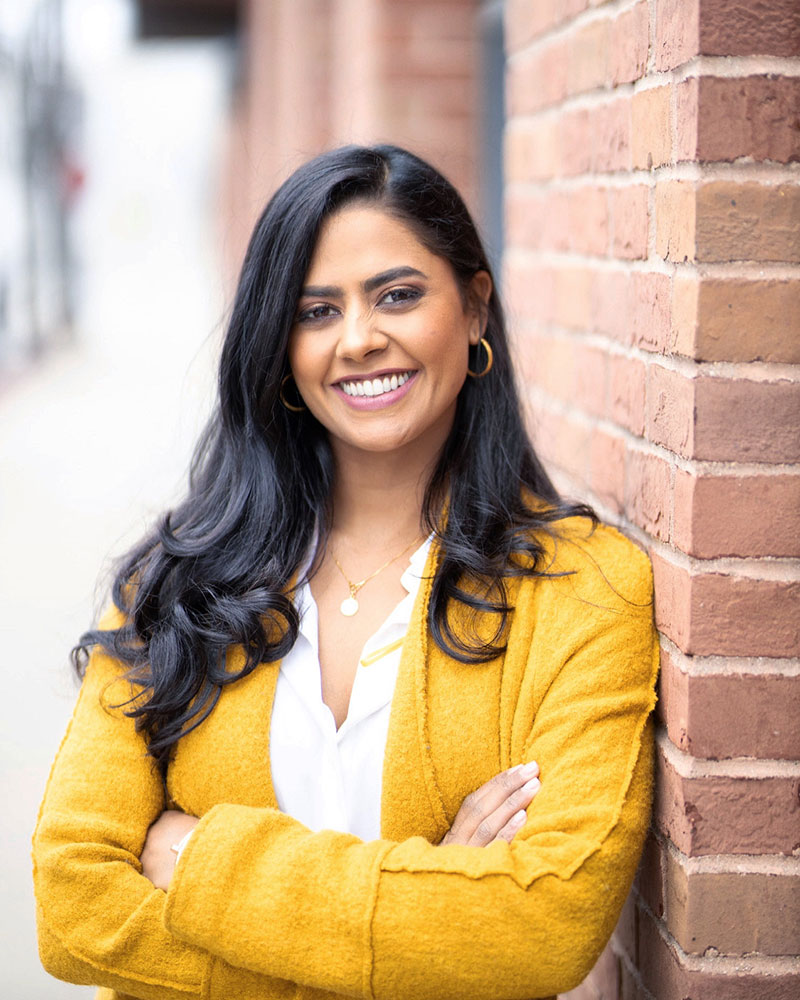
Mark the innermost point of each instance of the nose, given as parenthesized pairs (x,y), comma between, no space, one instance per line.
(360,334)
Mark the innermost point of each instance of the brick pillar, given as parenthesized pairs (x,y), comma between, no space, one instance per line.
(653,276)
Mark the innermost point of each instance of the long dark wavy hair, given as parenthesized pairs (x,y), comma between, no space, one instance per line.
(216,570)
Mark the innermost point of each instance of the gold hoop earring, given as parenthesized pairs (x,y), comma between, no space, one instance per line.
(289,406)
(489,360)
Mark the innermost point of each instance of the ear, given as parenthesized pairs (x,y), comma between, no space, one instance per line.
(479,291)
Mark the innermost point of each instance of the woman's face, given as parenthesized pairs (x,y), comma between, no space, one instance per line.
(379,345)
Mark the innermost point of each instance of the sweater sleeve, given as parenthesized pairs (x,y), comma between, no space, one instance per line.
(100,922)
(385,920)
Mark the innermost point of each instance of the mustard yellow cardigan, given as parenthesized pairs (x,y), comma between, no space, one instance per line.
(261,908)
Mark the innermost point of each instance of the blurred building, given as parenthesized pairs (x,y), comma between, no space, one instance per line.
(311,74)
(40,176)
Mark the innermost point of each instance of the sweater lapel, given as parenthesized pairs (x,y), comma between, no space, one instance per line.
(411,803)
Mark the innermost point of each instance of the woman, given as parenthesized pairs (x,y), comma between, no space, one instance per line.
(317,715)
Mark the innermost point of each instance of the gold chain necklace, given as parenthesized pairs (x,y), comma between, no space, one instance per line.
(349,605)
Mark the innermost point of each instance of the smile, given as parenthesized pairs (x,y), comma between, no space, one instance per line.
(375,386)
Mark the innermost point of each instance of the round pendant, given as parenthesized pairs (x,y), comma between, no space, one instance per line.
(349,607)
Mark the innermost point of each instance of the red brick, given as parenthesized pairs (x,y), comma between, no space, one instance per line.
(748,221)
(524,21)
(611,136)
(611,306)
(575,139)
(730,911)
(724,420)
(677,32)
(697,710)
(553,366)
(556,225)
(670,410)
(744,28)
(649,881)
(607,469)
(754,116)
(648,495)
(538,220)
(685,119)
(532,151)
(630,40)
(588,221)
(724,815)
(630,221)
(741,320)
(538,79)
(574,297)
(723,614)
(524,211)
(590,367)
(668,976)
(651,130)
(562,442)
(626,392)
(685,294)
(650,310)
(737,420)
(588,54)
(528,290)
(737,515)
(675,209)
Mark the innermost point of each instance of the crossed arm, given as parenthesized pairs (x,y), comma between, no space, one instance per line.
(260,904)
(495,811)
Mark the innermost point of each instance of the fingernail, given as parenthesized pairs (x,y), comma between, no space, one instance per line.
(528,770)
(519,818)
(532,786)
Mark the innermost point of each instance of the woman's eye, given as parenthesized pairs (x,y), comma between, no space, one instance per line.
(401,296)
(318,312)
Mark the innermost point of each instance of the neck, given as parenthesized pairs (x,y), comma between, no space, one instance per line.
(378,497)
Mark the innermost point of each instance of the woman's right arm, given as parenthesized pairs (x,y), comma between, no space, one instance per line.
(100,921)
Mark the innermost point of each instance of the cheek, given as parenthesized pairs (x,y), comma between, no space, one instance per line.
(302,357)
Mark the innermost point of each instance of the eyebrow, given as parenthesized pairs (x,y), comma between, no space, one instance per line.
(393,274)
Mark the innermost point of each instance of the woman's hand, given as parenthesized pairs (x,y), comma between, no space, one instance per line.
(158,858)
(496,810)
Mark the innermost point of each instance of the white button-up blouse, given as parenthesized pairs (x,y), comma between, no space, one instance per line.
(325,778)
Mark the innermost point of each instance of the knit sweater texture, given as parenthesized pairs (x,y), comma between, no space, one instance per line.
(261,908)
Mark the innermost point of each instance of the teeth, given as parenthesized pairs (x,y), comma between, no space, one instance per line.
(376,386)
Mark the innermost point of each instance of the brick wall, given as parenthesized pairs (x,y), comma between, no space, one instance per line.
(653,275)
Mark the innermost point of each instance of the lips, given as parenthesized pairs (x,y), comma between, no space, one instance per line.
(375,386)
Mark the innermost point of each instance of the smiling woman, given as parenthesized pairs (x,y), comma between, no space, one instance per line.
(373,688)
(377,306)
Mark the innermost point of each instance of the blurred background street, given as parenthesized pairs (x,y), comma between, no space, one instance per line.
(97,423)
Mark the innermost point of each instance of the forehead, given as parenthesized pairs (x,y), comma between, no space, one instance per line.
(360,240)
